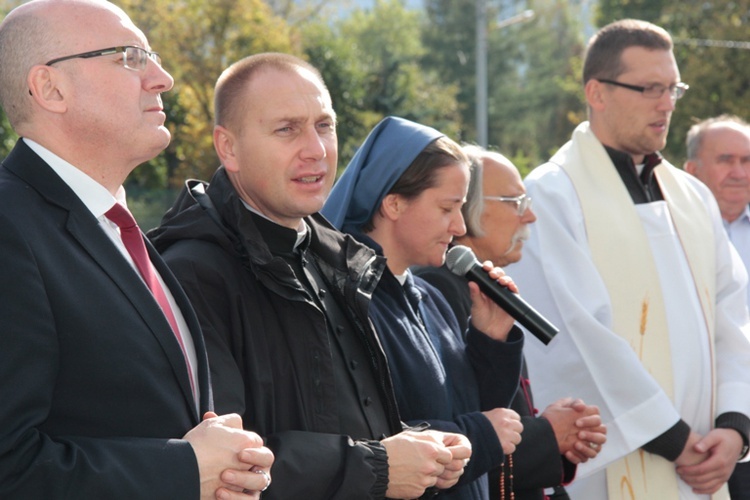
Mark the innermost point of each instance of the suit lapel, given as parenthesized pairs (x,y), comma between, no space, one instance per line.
(84,227)
(204,380)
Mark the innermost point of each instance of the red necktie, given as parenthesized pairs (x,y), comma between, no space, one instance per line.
(133,239)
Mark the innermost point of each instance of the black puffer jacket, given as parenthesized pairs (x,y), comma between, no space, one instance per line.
(268,342)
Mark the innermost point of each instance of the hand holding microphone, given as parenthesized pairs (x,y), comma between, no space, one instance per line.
(461,260)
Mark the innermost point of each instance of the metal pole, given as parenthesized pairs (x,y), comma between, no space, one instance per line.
(481,29)
(481,97)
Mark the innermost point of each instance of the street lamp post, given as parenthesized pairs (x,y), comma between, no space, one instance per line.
(481,69)
(481,94)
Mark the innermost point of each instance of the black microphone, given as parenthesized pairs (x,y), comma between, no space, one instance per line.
(461,260)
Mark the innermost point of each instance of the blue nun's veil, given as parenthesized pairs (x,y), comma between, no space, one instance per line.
(385,155)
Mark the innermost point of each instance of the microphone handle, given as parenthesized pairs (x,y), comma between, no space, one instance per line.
(514,305)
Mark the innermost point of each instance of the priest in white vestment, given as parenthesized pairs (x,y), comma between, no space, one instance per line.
(629,259)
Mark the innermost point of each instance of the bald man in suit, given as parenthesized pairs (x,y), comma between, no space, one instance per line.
(103,379)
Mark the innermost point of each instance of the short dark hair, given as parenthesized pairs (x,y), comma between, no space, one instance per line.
(603,57)
(694,139)
(421,174)
(228,94)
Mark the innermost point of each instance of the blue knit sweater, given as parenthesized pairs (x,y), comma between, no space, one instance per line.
(443,376)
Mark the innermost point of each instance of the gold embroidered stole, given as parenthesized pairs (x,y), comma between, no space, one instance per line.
(632,279)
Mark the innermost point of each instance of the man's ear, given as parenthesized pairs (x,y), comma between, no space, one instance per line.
(48,88)
(594,92)
(691,167)
(224,144)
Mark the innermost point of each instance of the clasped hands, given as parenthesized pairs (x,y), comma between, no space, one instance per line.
(421,460)
(230,460)
(578,428)
(706,462)
(233,463)
(508,427)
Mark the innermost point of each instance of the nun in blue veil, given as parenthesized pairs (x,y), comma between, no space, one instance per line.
(402,194)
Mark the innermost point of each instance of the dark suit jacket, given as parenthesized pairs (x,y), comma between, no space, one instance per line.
(94,392)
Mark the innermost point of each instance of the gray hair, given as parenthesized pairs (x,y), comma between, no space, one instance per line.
(694,139)
(474,206)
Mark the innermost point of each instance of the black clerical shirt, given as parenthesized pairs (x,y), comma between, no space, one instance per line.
(356,392)
(643,188)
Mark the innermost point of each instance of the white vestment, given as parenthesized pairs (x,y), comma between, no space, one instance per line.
(587,360)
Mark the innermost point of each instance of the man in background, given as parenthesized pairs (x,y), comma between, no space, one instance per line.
(718,153)
(498,214)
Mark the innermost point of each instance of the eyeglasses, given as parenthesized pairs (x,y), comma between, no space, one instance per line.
(522,202)
(135,58)
(676,90)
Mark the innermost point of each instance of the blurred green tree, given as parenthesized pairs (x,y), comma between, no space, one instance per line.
(7,135)
(534,100)
(607,11)
(197,40)
(371,63)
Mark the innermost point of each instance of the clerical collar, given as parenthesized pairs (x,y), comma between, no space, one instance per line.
(280,239)
(643,188)
(401,278)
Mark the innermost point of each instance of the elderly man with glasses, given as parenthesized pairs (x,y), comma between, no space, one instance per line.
(629,259)
(498,218)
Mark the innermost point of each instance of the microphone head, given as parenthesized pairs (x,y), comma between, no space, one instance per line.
(460,259)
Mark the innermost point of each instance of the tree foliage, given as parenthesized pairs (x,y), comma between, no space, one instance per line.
(450,35)
(536,97)
(7,135)
(533,98)
(298,13)
(608,11)
(197,41)
(371,63)
(719,81)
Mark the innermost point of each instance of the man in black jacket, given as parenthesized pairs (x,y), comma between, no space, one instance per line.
(283,297)
(497,215)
